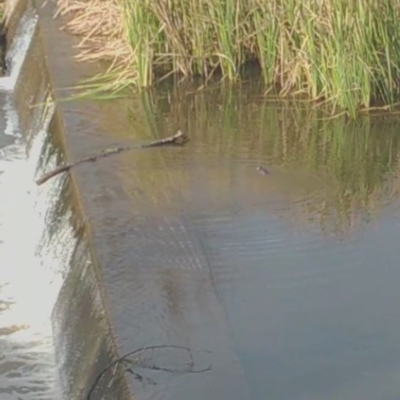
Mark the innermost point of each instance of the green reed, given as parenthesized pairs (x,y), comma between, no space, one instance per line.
(340,51)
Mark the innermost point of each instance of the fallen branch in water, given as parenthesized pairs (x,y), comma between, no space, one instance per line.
(127,359)
(178,139)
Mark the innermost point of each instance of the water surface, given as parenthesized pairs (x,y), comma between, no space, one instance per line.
(289,278)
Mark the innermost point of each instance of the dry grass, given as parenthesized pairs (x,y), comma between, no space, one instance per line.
(99,25)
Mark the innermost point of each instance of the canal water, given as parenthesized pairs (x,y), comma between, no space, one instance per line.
(289,278)
(33,258)
(33,262)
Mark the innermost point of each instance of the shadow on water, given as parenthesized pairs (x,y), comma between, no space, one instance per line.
(289,279)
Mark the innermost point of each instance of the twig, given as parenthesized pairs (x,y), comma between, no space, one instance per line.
(124,360)
(179,139)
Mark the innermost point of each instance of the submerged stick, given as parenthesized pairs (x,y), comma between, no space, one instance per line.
(262,170)
(127,359)
(179,139)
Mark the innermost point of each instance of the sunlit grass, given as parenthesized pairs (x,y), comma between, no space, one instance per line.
(346,53)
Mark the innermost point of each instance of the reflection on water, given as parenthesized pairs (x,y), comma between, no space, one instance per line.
(336,172)
(291,278)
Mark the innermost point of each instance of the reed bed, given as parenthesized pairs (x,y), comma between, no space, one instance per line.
(345,53)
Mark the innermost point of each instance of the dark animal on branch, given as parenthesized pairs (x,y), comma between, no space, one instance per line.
(179,139)
(125,360)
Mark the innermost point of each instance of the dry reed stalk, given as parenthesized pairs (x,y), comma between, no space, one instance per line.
(99,25)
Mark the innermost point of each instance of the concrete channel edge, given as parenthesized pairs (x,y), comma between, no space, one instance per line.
(83,336)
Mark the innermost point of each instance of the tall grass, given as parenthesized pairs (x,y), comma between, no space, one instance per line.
(343,52)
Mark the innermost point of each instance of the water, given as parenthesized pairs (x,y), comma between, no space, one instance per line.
(31,272)
(33,258)
(27,285)
(16,54)
(290,279)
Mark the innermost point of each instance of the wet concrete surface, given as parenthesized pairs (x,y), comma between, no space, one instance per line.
(197,249)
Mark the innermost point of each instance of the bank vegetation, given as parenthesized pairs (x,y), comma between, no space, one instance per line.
(341,52)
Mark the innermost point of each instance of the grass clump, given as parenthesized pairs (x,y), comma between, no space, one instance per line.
(343,52)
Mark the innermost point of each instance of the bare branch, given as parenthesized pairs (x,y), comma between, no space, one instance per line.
(126,360)
(179,139)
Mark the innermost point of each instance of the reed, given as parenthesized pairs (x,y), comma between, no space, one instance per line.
(345,53)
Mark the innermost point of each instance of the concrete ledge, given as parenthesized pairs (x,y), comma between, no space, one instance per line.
(82,333)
